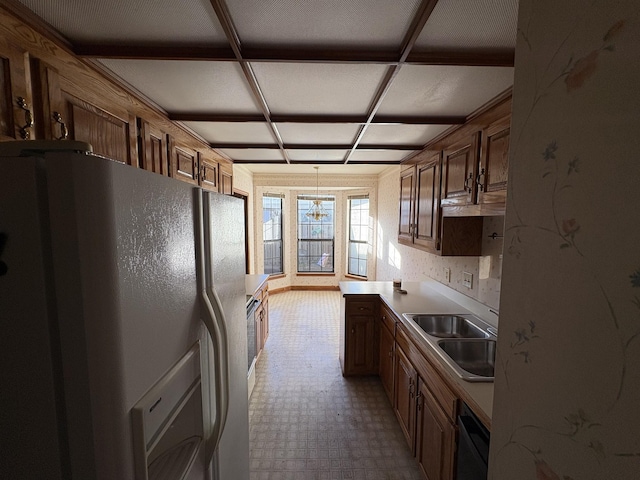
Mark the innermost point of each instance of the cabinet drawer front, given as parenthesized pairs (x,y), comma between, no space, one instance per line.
(361,308)
(388,319)
(447,400)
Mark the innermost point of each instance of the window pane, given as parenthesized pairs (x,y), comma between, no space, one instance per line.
(358,236)
(315,237)
(272,234)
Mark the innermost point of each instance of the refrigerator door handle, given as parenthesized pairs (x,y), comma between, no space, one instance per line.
(212,312)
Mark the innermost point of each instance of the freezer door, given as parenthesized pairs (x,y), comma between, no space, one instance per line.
(224,230)
(123,248)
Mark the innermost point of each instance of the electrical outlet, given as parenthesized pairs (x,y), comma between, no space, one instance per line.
(467,279)
(447,275)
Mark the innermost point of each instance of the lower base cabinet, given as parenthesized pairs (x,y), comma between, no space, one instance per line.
(435,437)
(404,403)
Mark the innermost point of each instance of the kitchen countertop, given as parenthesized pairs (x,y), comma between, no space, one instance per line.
(433,297)
(253,282)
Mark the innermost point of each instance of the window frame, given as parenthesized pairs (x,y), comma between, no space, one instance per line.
(299,238)
(265,243)
(351,241)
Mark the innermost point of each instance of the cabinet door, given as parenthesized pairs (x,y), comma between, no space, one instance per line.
(427,208)
(110,130)
(361,357)
(407,186)
(435,438)
(494,163)
(226,179)
(405,392)
(16,103)
(208,173)
(152,148)
(459,165)
(386,361)
(183,162)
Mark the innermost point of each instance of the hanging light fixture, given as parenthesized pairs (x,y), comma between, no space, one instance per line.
(317,212)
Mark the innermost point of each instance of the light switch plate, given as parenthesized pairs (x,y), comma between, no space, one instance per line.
(447,275)
(467,279)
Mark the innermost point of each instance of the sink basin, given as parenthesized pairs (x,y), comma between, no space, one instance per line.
(447,326)
(476,358)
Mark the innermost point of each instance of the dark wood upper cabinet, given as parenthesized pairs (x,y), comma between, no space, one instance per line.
(420,203)
(69,114)
(491,180)
(459,166)
(152,148)
(16,102)
(407,192)
(208,172)
(183,162)
(226,179)
(426,230)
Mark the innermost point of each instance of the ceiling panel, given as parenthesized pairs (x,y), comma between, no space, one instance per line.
(444,90)
(330,169)
(189,86)
(401,134)
(142,21)
(316,88)
(316,155)
(470,24)
(353,23)
(256,154)
(233,132)
(380,155)
(318,133)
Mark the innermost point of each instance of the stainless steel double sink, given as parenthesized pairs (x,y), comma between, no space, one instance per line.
(465,342)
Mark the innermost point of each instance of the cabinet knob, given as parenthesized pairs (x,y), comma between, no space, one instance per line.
(391,353)
(353,330)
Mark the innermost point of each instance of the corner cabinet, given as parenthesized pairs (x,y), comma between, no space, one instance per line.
(359,335)
(419,203)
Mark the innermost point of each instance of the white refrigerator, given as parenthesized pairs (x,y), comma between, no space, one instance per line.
(123,337)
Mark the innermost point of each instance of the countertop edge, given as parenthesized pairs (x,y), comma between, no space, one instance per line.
(254,282)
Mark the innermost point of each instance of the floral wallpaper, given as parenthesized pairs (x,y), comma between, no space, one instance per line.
(567,389)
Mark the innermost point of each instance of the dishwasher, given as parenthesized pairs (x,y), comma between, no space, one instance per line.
(473,447)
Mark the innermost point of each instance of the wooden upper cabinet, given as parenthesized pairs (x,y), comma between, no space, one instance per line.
(152,148)
(183,162)
(420,203)
(208,173)
(82,116)
(459,166)
(226,179)
(16,102)
(492,174)
(407,191)
(426,229)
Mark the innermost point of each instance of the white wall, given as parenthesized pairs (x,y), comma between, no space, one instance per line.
(243,181)
(395,260)
(567,389)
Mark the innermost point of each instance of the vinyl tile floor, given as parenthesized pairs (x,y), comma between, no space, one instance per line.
(307,422)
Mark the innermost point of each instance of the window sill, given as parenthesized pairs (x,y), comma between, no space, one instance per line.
(315,274)
(276,276)
(355,277)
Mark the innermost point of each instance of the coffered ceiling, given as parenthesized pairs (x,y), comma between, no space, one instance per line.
(302,81)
